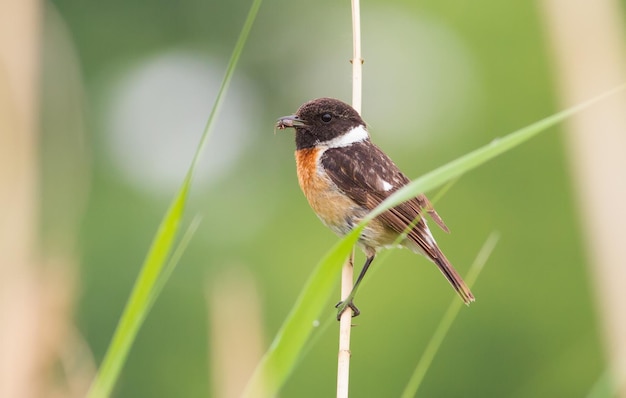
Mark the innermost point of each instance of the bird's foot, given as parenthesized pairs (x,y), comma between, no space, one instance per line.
(344,305)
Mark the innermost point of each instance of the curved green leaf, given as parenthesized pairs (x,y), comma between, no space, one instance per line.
(152,278)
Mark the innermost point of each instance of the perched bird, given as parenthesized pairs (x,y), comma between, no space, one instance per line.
(344,176)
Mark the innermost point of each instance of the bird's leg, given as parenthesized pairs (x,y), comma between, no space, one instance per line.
(348,302)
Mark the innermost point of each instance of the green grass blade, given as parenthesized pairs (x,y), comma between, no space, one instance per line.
(442,329)
(287,346)
(281,357)
(465,163)
(230,70)
(174,260)
(151,277)
(141,297)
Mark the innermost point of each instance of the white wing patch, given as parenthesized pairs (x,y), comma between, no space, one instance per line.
(356,134)
(429,236)
(386,186)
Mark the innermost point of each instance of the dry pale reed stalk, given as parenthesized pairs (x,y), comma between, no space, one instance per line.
(236,335)
(345,323)
(587,39)
(19,306)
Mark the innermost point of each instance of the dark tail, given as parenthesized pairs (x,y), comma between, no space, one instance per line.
(453,277)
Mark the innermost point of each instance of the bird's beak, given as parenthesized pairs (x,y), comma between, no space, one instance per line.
(289,121)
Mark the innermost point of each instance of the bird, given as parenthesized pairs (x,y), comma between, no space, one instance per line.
(344,176)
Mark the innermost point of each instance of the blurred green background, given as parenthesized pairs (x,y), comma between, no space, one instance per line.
(125,101)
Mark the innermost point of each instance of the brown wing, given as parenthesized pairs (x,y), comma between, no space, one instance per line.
(368,176)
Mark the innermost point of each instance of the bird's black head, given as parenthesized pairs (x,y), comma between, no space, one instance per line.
(321,121)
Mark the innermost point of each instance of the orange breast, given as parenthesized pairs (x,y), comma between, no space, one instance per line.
(331,206)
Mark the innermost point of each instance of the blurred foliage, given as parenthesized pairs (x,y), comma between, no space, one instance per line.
(532,331)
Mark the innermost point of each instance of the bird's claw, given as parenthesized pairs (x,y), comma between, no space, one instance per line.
(344,305)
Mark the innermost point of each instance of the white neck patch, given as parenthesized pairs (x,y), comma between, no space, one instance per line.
(356,134)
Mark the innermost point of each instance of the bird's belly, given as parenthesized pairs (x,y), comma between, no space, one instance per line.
(377,235)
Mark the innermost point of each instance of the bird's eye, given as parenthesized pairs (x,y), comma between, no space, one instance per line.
(327,117)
